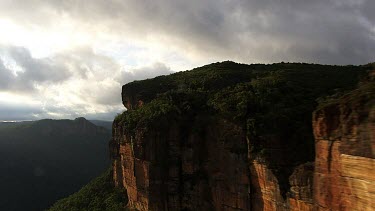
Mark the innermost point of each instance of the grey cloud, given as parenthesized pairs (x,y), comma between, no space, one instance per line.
(18,112)
(111,95)
(38,70)
(145,72)
(5,75)
(29,71)
(50,70)
(323,31)
(102,88)
(84,61)
(315,31)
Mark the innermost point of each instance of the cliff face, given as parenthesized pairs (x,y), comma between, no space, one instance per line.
(344,177)
(181,158)
(171,169)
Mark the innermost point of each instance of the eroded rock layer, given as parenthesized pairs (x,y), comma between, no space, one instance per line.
(344,177)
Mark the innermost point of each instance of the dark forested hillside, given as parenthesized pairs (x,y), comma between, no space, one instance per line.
(42,161)
(99,195)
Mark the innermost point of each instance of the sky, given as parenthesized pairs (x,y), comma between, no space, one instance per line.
(69,58)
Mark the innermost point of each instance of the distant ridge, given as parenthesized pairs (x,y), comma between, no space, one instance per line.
(42,161)
(102,123)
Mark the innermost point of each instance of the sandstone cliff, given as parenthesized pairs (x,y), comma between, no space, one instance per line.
(238,137)
(344,177)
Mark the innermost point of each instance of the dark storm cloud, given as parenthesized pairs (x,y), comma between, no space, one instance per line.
(324,31)
(336,32)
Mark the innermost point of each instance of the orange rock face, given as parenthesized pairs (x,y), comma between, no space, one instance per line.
(265,190)
(344,177)
(162,170)
(170,170)
(301,181)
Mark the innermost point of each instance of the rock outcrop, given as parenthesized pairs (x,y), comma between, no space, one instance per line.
(265,188)
(199,161)
(344,177)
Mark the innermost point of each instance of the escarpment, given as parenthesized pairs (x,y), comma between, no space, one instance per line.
(230,136)
(344,177)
